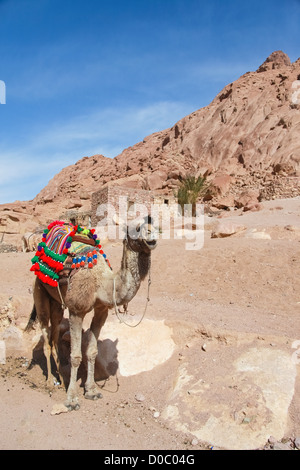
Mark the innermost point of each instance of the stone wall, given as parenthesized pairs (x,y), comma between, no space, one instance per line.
(269,185)
(128,196)
(77,217)
(112,196)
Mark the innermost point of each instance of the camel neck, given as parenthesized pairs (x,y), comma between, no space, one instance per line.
(134,268)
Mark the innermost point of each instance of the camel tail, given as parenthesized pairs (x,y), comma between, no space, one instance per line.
(32,319)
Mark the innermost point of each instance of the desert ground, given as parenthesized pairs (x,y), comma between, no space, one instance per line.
(214,364)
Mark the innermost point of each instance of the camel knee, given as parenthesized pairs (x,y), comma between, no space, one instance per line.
(76,360)
(91,352)
(92,357)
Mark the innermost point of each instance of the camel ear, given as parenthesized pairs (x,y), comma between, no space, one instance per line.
(148,219)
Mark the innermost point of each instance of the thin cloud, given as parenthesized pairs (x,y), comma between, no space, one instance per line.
(108,132)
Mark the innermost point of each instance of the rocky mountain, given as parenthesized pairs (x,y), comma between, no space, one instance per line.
(247,137)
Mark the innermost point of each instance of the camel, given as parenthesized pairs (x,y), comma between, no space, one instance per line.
(30,241)
(100,289)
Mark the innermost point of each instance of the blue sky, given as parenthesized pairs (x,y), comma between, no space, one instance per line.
(96,76)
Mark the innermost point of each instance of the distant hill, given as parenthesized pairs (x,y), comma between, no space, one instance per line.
(249,135)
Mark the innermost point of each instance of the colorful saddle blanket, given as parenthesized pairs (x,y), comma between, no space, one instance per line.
(62,242)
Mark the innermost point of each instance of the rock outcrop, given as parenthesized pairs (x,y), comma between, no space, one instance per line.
(246,138)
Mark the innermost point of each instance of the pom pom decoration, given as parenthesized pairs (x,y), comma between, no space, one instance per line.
(55,247)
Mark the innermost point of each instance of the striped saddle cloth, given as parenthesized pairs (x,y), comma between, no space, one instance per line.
(65,245)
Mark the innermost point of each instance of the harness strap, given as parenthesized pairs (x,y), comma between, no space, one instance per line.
(63,305)
(117,311)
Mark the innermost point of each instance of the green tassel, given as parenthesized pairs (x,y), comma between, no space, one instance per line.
(49,272)
(55,256)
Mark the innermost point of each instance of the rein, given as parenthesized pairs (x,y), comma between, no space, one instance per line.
(117,311)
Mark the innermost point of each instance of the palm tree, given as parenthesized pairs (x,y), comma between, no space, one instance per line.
(190,190)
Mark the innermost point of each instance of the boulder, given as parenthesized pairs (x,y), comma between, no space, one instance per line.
(226,228)
(222,184)
(261,235)
(73,203)
(248,200)
(156,179)
(224,202)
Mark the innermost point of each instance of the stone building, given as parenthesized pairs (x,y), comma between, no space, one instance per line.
(77,217)
(121,199)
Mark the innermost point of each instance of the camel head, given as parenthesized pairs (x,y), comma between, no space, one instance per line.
(140,235)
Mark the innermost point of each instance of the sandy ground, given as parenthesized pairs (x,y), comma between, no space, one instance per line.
(216,301)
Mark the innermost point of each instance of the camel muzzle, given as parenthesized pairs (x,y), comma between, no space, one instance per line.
(151,244)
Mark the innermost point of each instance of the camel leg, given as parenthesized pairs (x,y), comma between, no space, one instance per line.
(75,322)
(47,352)
(91,388)
(57,314)
(42,304)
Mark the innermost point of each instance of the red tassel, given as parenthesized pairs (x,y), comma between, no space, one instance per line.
(35,267)
(56,222)
(90,265)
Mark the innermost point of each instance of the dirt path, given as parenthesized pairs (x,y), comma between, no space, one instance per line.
(230,313)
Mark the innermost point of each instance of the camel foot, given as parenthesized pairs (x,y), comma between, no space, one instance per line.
(50,384)
(72,406)
(61,382)
(93,395)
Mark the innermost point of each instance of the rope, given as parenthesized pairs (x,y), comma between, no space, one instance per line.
(63,305)
(117,310)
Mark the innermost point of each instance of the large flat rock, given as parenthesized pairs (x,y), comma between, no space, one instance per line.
(135,349)
(238,406)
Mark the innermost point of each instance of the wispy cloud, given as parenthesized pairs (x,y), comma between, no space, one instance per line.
(26,169)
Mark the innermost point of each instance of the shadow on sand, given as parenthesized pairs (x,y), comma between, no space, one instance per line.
(106,364)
